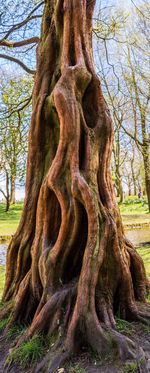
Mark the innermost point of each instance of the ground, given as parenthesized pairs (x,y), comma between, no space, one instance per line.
(87,362)
(9,220)
(134,212)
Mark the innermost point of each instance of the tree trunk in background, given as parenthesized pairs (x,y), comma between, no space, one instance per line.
(7,192)
(146,159)
(133,177)
(13,190)
(129,190)
(72,267)
(119,187)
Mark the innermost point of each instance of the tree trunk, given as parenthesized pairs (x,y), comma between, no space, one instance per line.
(129,187)
(7,192)
(119,186)
(133,177)
(72,265)
(146,159)
(13,190)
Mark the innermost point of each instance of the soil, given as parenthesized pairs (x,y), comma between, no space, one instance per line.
(87,362)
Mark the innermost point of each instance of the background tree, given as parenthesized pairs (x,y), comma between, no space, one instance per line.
(123,64)
(19,33)
(72,268)
(14,123)
(5,179)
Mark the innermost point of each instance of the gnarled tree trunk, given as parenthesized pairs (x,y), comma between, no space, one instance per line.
(69,263)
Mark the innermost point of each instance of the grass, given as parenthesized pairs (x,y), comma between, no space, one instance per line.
(28,353)
(2,279)
(15,331)
(9,220)
(134,210)
(133,205)
(124,326)
(3,324)
(76,369)
(130,368)
(145,254)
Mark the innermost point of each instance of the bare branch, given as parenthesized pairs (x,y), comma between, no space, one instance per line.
(139,10)
(24,22)
(20,63)
(1,191)
(12,44)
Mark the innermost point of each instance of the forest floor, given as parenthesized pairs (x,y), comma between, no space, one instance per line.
(87,361)
(9,220)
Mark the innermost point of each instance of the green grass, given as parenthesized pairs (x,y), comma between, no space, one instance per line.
(130,368)
(145,254)
(124,326)
(3,324)
(9,220)
(134,211)
(28,353)
(16,330)
(133,205)
(2,279)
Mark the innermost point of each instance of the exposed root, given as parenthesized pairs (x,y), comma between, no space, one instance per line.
(47,317)
(60,359)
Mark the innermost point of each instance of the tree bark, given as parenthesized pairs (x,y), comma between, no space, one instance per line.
(13,190)
(146,159)
(7,192)
(72,265)
(119,186)
(133,177)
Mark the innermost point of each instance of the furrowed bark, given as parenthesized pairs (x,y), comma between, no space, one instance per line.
(73,266)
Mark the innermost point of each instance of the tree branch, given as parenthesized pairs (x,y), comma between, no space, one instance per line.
(20,63)
(138,142)
(24,22)
(17,109)
(12,44)
(1,191)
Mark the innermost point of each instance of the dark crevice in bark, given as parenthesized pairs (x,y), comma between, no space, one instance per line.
(53,218)
(73,263)
(90,108)
(82,150)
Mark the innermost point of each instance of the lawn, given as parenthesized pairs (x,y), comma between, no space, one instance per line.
(2,278)
(145,254)
(9,220)
(133,206)
(134,211)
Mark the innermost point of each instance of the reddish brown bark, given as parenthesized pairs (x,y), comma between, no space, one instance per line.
(72,265)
